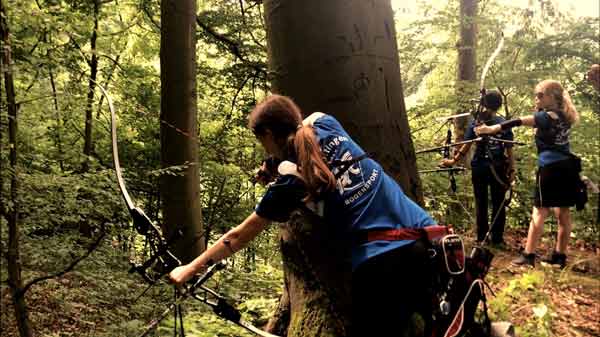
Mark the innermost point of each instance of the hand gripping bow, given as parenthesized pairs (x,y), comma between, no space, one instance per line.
(162,260)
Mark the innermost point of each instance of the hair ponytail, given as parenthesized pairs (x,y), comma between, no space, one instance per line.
(567,105)
(311,164)
(282,117)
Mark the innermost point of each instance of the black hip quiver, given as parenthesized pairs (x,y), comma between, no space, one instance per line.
(458,289)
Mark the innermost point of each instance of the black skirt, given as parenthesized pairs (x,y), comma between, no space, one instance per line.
(556,185)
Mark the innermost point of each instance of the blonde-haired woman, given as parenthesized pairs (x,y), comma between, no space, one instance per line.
(557,176)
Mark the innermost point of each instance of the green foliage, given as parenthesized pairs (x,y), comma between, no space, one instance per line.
(101,294)
(51,49)
(540,42)
(51,45)
(253,296)
(58,202)
(524,293)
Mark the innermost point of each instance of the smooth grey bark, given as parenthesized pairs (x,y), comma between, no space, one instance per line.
(341,57)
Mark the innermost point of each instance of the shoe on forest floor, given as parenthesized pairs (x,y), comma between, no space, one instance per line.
(556,258)
(524,260)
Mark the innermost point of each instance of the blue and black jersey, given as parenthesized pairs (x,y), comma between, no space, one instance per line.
(551,137)
(365,198)
(489,152)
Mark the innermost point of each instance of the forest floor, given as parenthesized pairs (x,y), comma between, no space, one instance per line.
(98,298)
(545,300)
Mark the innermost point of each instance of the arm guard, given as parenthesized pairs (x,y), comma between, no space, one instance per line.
(511,124)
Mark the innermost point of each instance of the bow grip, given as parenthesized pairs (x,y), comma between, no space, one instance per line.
(141,222)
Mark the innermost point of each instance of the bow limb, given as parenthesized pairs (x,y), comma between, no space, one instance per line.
(115,150)
(162,255)
(484,72)
(138,215)
(490,60)
(140,219)
(141,222)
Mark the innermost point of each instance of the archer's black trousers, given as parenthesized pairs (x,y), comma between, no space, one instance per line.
(483,181)
(388,288)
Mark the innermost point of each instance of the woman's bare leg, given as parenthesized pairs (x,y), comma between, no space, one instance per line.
(563,216)
(536,228)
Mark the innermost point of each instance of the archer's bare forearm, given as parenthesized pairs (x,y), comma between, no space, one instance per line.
(234,240)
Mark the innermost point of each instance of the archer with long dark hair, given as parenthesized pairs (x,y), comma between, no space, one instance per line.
(322,169)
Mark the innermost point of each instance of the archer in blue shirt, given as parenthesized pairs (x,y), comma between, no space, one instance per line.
(364,198)
(492,168)
(322,170)
(558,186)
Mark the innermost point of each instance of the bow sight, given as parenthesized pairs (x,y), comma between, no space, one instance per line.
(445,149)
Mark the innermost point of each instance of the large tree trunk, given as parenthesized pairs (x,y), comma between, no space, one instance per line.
(339,57)
(466,88)
(316,300)
(466,75)
(178,126)
(15,280)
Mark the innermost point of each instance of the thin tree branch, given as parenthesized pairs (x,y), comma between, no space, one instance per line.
(232,46)
(35,45)
(89,62)
(147,12)
(71,266)
(34,80)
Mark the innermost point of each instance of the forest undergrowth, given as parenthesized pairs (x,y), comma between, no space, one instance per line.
(99,297)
